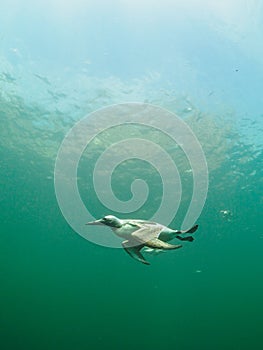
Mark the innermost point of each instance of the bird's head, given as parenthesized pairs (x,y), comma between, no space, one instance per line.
(108,220)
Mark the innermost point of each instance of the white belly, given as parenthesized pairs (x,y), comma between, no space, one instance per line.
(125,231)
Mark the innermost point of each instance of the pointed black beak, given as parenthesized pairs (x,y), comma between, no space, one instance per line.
(96,222)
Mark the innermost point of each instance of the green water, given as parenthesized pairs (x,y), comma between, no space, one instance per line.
(59,291)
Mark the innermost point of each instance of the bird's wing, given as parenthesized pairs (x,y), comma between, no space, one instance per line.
(147,233)
(140,223)
(134,252)
(158,244)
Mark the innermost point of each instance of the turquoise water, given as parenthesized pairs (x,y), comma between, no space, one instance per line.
(58,63)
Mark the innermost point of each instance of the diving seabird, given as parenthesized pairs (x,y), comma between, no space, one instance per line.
(139,234)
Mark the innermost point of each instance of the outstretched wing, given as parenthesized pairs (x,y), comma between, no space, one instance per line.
(134,252)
